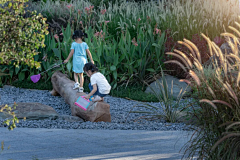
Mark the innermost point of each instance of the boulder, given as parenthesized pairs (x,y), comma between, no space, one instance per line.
(226,50)
(32,111)
(177,86)
(97,111)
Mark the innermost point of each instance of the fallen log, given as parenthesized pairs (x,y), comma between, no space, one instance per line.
(97,111)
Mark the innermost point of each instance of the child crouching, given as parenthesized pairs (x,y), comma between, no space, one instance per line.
(99,86)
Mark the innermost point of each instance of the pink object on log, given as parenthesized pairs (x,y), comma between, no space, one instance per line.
(82,103)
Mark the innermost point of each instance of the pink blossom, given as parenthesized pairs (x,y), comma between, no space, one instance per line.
(134,42)
(103,11)
(56,37)
(80,22)
(45,58)
(106,22)
(69,6)
(61,34)
(91,7)
(158,31)
(139,19)
(88,10)
(99,34)
(96,34)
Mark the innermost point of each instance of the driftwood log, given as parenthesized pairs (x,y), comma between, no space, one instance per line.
(97,111)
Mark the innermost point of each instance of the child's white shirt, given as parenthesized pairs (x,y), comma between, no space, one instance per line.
(102,83)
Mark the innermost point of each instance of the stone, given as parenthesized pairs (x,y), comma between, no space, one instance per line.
(70,118)
(32,111)
(177,86)
(97,111)
(226,50)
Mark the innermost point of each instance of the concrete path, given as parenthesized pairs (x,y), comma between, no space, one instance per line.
(61,144)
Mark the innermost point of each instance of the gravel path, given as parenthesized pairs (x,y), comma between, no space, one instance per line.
(119,109)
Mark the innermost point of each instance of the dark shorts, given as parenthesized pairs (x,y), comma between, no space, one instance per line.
(97,92)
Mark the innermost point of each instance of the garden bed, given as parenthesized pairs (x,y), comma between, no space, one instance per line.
(119,109)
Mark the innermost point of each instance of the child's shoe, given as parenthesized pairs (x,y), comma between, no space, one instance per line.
(97,98)
(76,85)
(80,89)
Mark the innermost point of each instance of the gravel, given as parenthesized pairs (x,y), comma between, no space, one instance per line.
(119,109)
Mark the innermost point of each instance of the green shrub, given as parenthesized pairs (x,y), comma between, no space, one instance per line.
(217,87)
(20,34)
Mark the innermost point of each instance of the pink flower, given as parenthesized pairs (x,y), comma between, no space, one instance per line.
(88,10)
(69,6)
(80,22)
(139,19)
(158,31)
(91,7)
(96,34)
(45,58)
(106,22)
(103,11)
(134,42)
(61,34)
(56,37)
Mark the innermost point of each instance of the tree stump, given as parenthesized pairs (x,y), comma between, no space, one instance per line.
(97,111)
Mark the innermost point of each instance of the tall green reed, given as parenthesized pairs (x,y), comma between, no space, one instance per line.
(217,88)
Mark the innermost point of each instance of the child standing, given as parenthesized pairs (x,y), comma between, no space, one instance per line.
(99,86)
(78,51)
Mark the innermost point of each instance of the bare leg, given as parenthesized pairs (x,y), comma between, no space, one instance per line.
(76,77)
(81,79)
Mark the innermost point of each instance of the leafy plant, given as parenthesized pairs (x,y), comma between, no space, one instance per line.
(168,108)
(184,18)
(11,123)
(21,33)
(218,91)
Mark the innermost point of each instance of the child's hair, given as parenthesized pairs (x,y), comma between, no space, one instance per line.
(90,66)
(79,34)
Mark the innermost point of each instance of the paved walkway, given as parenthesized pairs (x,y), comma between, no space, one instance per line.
(62,144)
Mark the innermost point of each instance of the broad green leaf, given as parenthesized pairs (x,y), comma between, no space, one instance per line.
(21,76)
(115,74)
(151,70)
(57,53)
(17,69)
(69,66)
(113,68)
